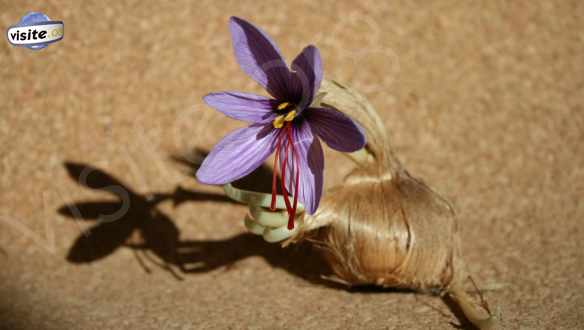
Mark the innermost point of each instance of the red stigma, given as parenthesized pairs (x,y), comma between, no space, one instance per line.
(285,140)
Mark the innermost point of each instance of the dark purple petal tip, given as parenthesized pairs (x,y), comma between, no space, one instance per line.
(336,129)
(307,75)
(259,57)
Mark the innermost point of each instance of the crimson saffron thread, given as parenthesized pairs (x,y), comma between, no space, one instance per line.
(289,147)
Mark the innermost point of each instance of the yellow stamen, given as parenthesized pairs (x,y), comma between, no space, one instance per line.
(290,115)
(283,105)
(279,121)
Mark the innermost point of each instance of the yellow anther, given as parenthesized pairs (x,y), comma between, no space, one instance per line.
(279,121)
(283,105)
(290,115)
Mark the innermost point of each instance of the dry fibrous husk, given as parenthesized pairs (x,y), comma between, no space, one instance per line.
(385,227)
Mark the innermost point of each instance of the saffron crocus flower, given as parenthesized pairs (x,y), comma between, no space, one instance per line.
(284,123)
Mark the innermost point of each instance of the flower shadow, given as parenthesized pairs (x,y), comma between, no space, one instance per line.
(128,220)
(132,220)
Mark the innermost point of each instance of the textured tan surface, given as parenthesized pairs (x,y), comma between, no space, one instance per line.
(484,100)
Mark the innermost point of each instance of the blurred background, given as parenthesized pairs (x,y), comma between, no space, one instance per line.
(484,100)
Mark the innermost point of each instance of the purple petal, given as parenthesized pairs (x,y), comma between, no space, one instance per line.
(241,106)
(307,75)
(237,154)
(311,165)
(259,57)
(336,129)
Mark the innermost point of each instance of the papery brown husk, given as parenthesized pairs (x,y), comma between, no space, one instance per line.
(391,232)
(385,227)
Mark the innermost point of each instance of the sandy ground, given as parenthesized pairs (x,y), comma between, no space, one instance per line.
(484,100)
